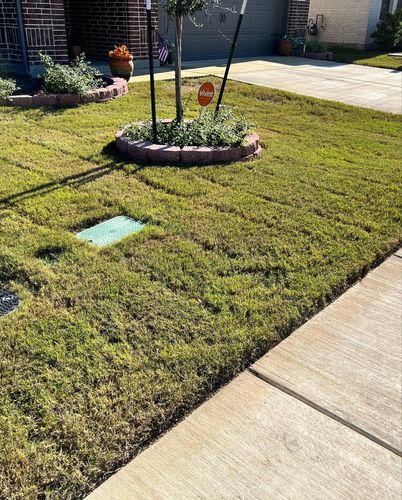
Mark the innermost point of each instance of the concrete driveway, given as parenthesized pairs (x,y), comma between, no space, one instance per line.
(374,88)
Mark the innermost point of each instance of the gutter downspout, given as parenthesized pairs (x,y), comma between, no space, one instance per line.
(23,43)
(285,18)
(393,6)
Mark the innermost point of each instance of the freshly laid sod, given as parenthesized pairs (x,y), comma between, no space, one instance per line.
(367,58)
(110,346)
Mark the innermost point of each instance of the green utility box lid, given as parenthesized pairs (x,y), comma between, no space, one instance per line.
(110,231)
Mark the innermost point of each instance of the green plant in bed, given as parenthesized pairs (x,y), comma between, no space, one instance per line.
(78,77)
(224,128)
(316,46)
(7,87)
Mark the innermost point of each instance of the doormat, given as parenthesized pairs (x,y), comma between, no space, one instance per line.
(111,231)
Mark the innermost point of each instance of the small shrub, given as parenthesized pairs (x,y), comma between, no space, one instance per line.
(209,129)
(77,77)
(7,87)
(316,46)
(389,31)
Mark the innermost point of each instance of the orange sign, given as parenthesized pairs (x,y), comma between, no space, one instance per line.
(206,94)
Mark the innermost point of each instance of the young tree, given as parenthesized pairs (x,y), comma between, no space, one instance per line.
(179,9)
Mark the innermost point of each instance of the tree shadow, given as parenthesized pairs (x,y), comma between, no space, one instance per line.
(41,111)
(75,180)
(114,162)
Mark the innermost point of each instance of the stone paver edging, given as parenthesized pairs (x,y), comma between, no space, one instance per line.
(319,56)
(115,87)
(147,152)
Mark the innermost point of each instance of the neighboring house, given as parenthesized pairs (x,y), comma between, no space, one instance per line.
(27,26)
(349,23)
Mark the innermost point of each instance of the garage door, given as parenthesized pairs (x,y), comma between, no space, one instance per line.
(262,25)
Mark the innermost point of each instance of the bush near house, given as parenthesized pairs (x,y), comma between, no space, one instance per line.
(78,78)
(7,87)
(315,46)
(389,31)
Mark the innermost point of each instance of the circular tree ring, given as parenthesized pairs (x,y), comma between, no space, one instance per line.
(146,152)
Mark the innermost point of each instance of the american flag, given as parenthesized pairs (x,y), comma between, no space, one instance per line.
(162,50)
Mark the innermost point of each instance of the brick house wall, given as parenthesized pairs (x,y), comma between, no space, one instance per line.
(98,25)
(347,23)
(298,17)
(137,17)
(45,29)
(10,51)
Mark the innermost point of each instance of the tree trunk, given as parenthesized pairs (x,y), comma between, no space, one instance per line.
(179,99)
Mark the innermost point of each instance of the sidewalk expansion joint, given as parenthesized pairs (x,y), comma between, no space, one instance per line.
(324,411)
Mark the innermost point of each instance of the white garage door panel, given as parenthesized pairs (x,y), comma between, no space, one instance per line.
(261,28)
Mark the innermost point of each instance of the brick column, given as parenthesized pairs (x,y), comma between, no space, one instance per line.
(45,29)
(298,17)
(10,50)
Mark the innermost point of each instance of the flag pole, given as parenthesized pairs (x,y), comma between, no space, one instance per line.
(151,69)
(232,49)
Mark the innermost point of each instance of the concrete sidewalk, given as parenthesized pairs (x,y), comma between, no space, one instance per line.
(354,84)
(318,417)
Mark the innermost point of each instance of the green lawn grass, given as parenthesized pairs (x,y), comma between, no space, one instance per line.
(111,346)
(367,58)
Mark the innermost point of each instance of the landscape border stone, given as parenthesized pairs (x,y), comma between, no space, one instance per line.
(320,56)
(146,152)
(115,87)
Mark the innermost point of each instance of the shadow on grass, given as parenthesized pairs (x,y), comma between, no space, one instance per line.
(70,181)
(114,162)
(41,111)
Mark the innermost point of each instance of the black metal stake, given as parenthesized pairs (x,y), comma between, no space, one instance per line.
(151,70)
(232,49)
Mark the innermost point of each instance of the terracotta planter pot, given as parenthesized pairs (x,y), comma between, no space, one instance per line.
(122,68)
(285,48)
